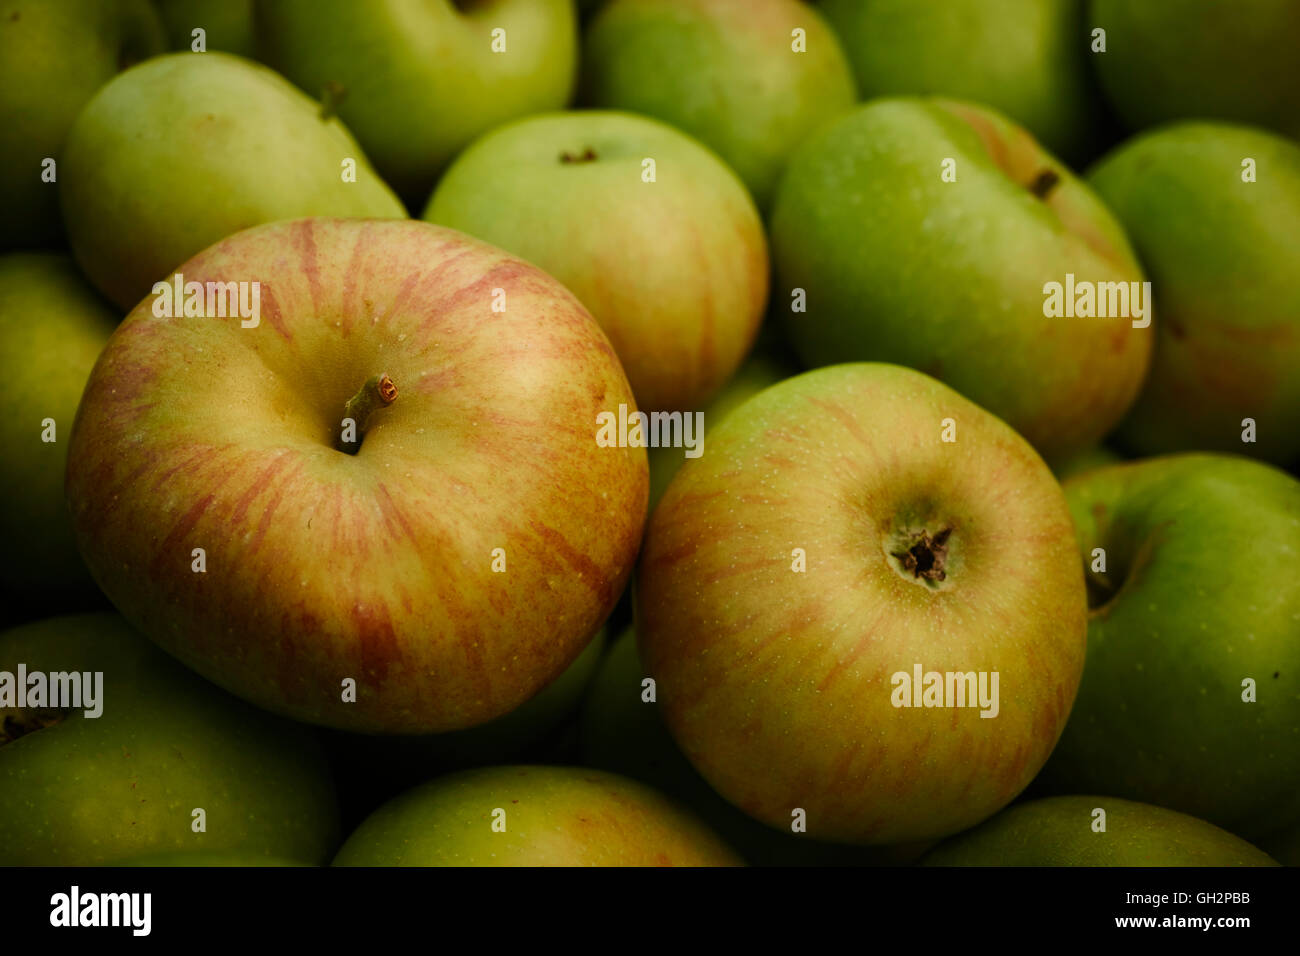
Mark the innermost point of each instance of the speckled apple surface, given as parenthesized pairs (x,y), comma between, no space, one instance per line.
(322,565)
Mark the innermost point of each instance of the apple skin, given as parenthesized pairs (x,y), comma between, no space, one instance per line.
(1185,611)
(723,72)
(54,55)
(321,565)
(864,224)
(777,685)
(1057,831)
(1096,457)
(759,372)
(554,816)
(1024,58)
(422,81)
(188,148)
(1220,254)
(207,858)
(1183,59)
(52,328)
(675,271)
(227,24)
(388,764)
(623,734)
(124,784)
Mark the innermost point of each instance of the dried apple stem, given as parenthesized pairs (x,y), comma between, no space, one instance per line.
(378,392)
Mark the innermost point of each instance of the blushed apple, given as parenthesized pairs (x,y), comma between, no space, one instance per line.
(736,76)
(186,149)
(1068,831)
(79,790)
(1189,698)
(1025,58)
(674,267)
(1199,59)
(863,604)
(1213,211)
(443,556)
(417,83)
(533,816)
(939,235)
(52,328)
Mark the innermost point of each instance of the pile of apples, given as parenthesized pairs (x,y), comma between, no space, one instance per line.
(528,432)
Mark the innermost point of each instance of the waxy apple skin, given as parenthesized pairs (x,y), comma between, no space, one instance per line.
(725,72)
(185,149)
(553,816)
(378,566)
(90,791)
(1222,255)
(777,684)
(947,277)
(420,81)
(674,270)
(1058,831)
(1198,595)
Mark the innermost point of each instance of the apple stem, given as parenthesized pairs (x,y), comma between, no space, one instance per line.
(378,392)
(331,98)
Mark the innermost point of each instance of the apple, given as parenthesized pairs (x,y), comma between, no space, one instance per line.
(675,269)
(187,148)
(227,24)
(207,858)
(84,790)
(52,328)
(1024,58)
(1068,831)
(879,258)
(736,76)
(624,733)
(829,551)
(1189,696)
(417,82)
(1184,59)
(1095,457)
(1284,845)
(1220,252)
(533,816)
(428,573)
(54,55)
(389,764)
(759,371)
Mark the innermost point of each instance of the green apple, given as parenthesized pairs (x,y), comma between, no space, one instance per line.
(238,858)
(758,372)
(736,76)
(430,575)
(533,816)
(185,149)
(417,82)
(832,549)
(1068,831)
(1189,698)
(1187,59)
(389,764)
(54,55)
(881,258)
(1221,253)
(52,328)
(1025,58)
(674,269)
(622,731)
(227,24)
(79,790)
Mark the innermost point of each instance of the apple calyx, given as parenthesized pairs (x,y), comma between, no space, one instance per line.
(927,557)
(332,95)
(378,392)
(588,155)
(21,722)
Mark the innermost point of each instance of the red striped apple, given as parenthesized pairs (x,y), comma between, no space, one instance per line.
(863,608)
(451,560)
